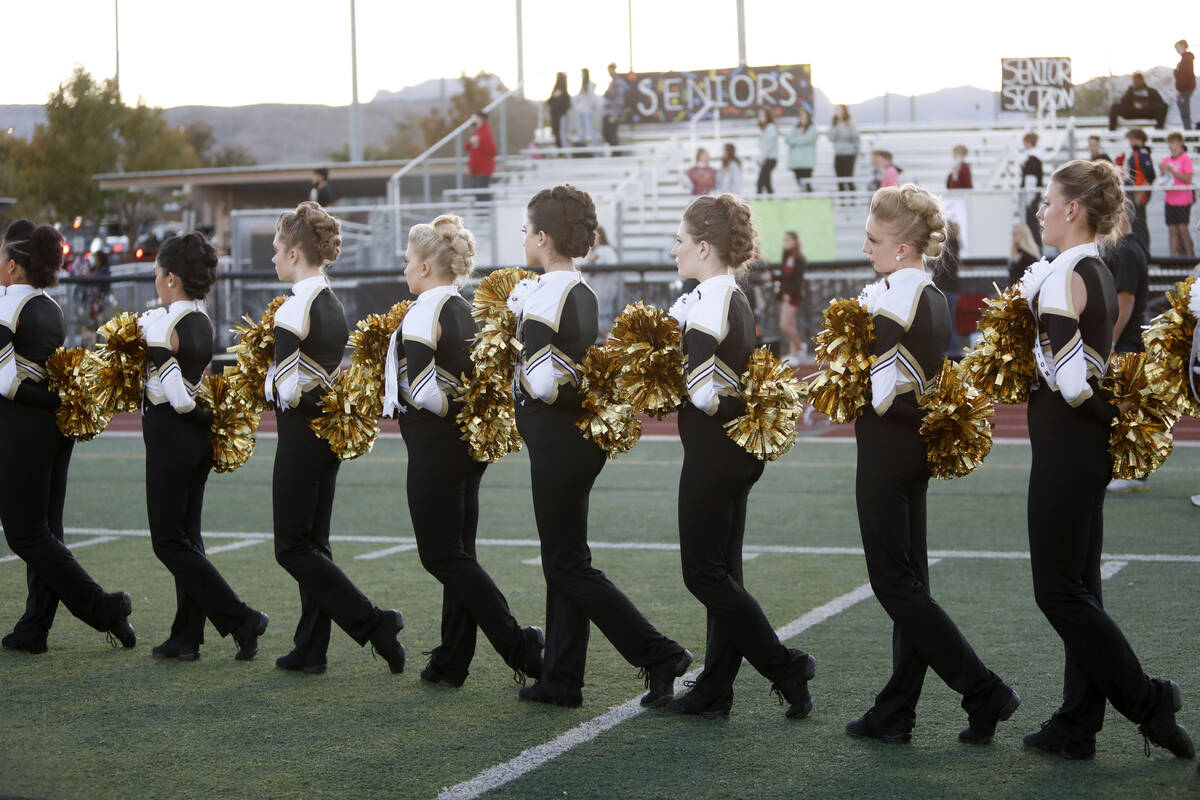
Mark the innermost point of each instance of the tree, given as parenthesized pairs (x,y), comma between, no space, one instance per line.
(148,144)
(200,136)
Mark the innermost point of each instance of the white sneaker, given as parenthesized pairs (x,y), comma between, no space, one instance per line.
(1196,500)
(1128,485)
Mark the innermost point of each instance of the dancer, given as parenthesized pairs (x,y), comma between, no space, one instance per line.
(310,337)
(426,361)
(791,299)
(557,323)
(906,226)
(33,469)
(1069,419)
(175,428)
(715,241)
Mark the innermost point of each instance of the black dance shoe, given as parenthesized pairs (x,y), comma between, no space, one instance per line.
(1161,728)
(868,727)
(696,703)
(383,640)
(17,644)
(173,649)
(120,629)
(432,676)
(981,725)
(660,679)
(528,661)
(793,686)
(1061,739)
(540,693)
(246,635)
(294,662)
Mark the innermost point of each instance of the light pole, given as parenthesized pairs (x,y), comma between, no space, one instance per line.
(117,38)
(520,53)
(741,11)
(356,146)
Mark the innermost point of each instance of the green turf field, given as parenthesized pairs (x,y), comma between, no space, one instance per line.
(85,720)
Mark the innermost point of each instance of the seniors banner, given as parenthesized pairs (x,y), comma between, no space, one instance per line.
(734,92)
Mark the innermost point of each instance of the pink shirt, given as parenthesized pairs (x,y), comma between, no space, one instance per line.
(889,177)
(1181,163)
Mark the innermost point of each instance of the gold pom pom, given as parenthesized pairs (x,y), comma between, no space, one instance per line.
(488,419)
(370,337)
(1001,363)
(774,399)
(956,428)
(1168,341)
(71,372)
(607,421)
(255,351)
(120,363)
(839,390)
(645,344)
(1141,437)
(235,420)
(496,345)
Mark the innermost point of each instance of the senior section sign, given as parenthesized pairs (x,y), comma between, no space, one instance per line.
(1028,83)
(735,92)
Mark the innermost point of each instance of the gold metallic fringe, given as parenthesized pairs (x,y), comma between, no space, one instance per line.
(607,421)
(1001,363)
(1168,341)
(488,419)
(496,346)
(839,389)
(235,420)
(956,428)
(255,351)
(351,409)
(120,364)
(1141,438)
(71,373)
(774,399)
(645,344)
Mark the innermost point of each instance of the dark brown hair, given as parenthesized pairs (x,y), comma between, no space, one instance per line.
(313,231)
(193,260)
(37,250)
(724,222)
(568,216)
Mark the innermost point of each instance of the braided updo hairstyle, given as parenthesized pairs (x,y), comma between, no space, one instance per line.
(313,231)
(447,244)
(724,222)
(568,216)
(36,249)
(915,216)
(1097,187)
(193,260)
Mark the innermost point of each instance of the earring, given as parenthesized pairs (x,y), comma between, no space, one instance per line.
(539,244)
(898,258)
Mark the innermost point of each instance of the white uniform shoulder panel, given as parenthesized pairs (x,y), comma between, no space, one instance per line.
(421,321)
(293,314)
(899,300)
(546,302)
(710,312)
(13,300)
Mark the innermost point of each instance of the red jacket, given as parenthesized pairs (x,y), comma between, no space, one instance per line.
(481,159)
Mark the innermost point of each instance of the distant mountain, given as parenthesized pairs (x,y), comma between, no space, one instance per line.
(434,90)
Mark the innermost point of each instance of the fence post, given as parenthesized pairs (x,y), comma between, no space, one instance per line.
(458,152)
(425,178)
(620,229)
(504,128)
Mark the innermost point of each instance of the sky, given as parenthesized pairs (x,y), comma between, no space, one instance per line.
(237,52)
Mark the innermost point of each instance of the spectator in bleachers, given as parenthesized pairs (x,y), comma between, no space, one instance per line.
(1185,82)
(729,179)
(802,149)
(319,191)
(792,297)
(608,286)
(945,277)
(559,104)
(1139,102)
(1178,202)
(1095,153)
(768,151)
(844,136)
(586,104)
(886,173)
(614,104)
(481,154)
(1031,181)
(960,173)
(700,178)
(1023,253)
(1139,171)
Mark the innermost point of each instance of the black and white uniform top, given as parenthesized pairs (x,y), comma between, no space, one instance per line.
(310,339)
(912,329)
(557,320)
(718,337)
(1072,350)
(424,371)
(173,377)
(31,328)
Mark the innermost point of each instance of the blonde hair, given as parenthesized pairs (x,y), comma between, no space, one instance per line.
(1025,243)
(1098,188)
(915,216)
(313,231)
(447,244)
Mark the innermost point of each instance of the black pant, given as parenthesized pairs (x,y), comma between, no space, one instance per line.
(1158,113)
(1071,469)
(714,486)
(443,500)
(764,176)
(843,167)
(302,496)
(563,466)
(802,176)
(178,460)
(890,487)
(33,478)
(610,130)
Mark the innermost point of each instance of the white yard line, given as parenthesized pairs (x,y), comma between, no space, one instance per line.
(1110,568)
(71,545)
(536,561)
(400,548)
(235,546)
